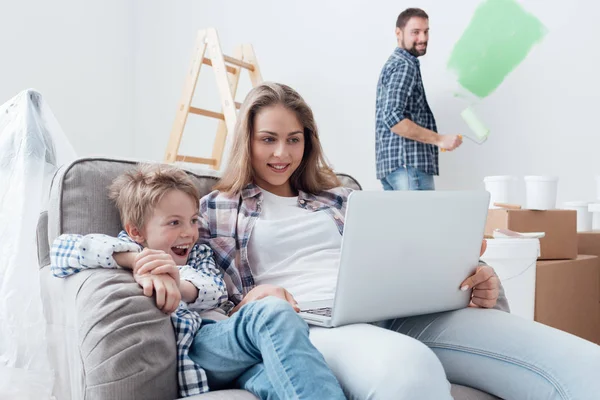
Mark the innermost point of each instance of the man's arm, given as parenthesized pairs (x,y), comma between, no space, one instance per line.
(410,130)
(398,89)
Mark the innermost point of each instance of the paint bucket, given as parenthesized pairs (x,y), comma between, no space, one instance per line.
(514,261)
(584,216)
(501,189)
(594,208)
(541,192)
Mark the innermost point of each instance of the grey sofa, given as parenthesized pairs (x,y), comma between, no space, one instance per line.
(109,341)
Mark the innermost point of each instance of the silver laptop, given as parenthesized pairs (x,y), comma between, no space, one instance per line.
(404,253)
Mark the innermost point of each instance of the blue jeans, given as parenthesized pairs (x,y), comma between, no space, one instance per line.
(265,349)
(490,350)
(408,178)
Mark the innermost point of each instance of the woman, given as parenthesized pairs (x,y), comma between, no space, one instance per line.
(275,223)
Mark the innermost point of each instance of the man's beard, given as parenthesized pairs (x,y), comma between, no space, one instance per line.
(414,51)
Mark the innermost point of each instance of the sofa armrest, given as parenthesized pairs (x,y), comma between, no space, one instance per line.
(108,340)
(43,247)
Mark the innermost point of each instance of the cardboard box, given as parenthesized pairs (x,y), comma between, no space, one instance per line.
(566,296)
(589,243)
(560,226)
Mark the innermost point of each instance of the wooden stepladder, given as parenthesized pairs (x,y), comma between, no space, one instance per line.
(227,73)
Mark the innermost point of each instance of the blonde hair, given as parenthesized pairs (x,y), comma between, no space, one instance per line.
(313,174)
(138,191)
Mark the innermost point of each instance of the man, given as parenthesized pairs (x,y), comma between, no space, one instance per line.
(407,141)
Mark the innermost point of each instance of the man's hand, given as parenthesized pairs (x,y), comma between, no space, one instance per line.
(449,142)
(262,291)
(155,262)
(166,289)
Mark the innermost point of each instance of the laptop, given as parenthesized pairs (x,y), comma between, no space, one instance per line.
(404,253)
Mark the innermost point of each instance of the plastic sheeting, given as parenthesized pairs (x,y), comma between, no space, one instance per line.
(32,147)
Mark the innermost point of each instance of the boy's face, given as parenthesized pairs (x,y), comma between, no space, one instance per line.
(173,226)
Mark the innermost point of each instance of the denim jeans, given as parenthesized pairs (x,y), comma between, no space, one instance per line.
(490,350)
(265,349)
(408,178)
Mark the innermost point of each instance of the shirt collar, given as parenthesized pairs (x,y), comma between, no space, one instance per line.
(405,54)
(251,190)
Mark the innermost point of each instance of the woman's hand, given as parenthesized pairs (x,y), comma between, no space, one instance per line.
(485,285)
(262,291)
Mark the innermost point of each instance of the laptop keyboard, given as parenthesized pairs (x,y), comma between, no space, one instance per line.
(324,311)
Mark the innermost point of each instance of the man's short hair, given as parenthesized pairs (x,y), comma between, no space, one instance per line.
(137,192)
(409,13)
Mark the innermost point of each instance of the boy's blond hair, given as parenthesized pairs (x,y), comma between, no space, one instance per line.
(138,191)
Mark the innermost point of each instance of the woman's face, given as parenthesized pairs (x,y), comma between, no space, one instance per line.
(277,149)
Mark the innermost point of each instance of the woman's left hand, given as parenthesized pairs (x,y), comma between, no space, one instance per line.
(485,285)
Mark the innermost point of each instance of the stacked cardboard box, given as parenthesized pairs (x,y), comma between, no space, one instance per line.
(567,295)
(589,243)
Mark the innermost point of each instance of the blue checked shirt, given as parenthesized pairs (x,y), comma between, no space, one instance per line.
(73,253)
(400,95)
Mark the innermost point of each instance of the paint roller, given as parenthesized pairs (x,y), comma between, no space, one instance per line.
(480,131)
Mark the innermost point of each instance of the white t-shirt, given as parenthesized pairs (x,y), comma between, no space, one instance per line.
(295,248)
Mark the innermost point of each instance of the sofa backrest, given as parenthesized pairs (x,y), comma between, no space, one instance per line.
(79,200)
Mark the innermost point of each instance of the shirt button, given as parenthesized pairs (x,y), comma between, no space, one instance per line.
(302,201)
(337,217)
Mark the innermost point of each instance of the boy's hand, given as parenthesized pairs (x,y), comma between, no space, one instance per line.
(167,291)
(155,262)
(125,259)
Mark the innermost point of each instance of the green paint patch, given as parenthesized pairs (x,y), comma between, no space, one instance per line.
(498,38)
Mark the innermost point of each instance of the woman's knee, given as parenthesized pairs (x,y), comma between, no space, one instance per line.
(411,371)
(374,363)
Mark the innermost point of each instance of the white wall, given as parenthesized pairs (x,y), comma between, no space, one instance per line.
(542,117)
(113,71)
(78,54)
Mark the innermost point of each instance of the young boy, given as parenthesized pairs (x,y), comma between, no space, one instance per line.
(263,347)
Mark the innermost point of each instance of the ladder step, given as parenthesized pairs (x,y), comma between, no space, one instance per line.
(208,61)
(196,160)
(239,63)
(231,60)
(207,113)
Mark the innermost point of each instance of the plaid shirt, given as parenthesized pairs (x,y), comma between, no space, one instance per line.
(226,223)
(400,95)
(73,253)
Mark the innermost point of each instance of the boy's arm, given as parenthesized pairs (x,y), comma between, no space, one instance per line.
(203,274)
(72,253)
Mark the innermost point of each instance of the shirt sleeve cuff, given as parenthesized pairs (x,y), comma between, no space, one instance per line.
(393,118)
(99,249)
